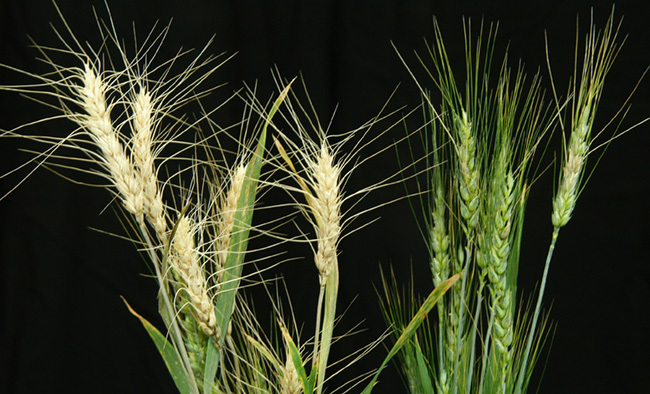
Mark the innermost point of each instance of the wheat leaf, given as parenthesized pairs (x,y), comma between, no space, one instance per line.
(298,364)
(424,380)
(167,351)
(413,325)
(211,364)
(241,228)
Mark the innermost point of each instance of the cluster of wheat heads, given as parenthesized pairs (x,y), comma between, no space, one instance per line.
(187,209)
(187,202)
(481,142)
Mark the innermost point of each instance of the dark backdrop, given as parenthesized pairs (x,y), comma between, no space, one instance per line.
(63,325)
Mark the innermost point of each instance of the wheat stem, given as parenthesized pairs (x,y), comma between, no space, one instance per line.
(486,352)
(460,309)
(538,306)
(317,330)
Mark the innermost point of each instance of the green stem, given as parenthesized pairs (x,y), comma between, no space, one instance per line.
(319,312)
(477,318)
(331,294)
(224,378)
(461,314)
(529,341)
(486,353)
(441,347)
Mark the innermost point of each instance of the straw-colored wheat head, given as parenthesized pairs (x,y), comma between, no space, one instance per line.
(97,121)
(326,207)
(227,211)
(143,157)
(187,266)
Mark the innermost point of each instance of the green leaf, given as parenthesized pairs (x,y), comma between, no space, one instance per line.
(211,364)
(242,224)
(307,383)
(412,327)
(424,380)
(167,351)
(329,316)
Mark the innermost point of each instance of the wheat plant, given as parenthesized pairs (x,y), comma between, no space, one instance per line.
(482,144)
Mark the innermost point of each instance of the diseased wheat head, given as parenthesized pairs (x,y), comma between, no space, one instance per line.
(185,262)
(226,220)
(143,124)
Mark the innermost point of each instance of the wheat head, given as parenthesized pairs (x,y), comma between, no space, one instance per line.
(326,209)
(468,168)
(143,157)
(227,211)
(93,99)
(186,264)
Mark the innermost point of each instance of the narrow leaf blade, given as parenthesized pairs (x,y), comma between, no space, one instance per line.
(211,364)
(167,351)
(412,327)
(426,386)
(241,229)
(298,364)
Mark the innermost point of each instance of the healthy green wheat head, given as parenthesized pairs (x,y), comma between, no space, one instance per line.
(481,142)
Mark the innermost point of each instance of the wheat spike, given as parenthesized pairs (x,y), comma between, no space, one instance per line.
(469,179)
(439,239)
(289,381)
(93,98)
(187,265)
(227,211)
(567,194)
(143,158)
(499,245)
(326,206)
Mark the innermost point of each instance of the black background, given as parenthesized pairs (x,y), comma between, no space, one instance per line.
(64,327)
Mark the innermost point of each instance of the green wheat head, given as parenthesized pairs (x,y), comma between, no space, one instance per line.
(480,143)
